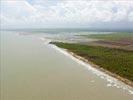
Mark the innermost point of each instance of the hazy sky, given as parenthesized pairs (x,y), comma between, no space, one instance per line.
(66,13)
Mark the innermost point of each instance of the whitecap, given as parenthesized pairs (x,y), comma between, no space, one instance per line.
(111,81)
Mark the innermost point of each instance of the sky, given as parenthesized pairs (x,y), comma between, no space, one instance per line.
(113,14)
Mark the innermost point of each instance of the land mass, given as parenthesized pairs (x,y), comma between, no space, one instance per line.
(117,62)
(113,40)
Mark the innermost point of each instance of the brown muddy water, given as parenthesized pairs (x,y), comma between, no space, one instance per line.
(33,70)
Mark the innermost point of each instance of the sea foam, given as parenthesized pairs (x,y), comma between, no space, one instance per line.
(46,41)
(111,81)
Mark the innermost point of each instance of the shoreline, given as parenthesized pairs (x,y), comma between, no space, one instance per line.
(124,80)
(112,79)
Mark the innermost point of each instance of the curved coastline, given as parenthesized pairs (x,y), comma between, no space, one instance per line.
(112,79)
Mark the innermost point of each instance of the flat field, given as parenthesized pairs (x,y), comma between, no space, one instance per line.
(113,40)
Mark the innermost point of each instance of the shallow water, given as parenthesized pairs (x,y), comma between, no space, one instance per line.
(33,70)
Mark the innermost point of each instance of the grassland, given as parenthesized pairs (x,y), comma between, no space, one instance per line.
(113,40)
(117,61)
(112,36)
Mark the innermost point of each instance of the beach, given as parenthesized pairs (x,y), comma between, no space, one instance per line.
(66,50)
(34,69)
(119,82)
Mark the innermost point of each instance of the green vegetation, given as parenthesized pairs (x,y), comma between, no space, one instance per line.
(112,36)
(115,60)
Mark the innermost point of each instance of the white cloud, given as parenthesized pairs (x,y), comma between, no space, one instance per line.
(42,13)
(130,16)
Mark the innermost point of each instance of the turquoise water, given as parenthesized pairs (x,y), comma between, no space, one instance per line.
(33,70)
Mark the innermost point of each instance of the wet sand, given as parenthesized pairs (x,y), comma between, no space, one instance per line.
(34,70)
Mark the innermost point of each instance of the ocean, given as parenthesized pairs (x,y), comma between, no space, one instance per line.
(33,69)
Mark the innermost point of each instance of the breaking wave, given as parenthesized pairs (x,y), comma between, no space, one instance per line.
(111,81)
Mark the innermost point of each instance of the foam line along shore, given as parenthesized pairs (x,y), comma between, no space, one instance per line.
(112,81)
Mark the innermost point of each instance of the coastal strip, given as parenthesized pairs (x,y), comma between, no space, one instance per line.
(112,79)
